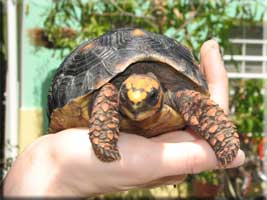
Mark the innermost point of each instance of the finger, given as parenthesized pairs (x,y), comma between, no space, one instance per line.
(150,160)
(212,66)
(175,136)
(171,180)
(168,180)
(189,158)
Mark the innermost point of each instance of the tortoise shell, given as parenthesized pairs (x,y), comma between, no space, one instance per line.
(112,58)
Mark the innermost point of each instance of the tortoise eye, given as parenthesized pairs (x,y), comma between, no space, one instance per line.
(153,96)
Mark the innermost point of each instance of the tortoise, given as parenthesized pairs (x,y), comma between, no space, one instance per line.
(139,82)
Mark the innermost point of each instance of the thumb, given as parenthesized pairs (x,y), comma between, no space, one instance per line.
(212,66)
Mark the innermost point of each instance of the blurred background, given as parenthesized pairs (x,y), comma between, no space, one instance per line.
(37,35)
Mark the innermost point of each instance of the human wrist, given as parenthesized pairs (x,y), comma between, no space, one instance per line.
(64,182)
(54,185)
(72,164)
(32,172)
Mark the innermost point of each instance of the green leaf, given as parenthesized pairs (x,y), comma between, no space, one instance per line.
(232,9)
(170,32)
(146,5)
(138,12)
(180,35)
(99,7)
(170,4)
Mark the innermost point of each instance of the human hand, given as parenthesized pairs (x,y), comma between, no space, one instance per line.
(64,164)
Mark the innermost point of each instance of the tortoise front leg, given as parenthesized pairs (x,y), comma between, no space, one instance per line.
(104,124)
(210,121)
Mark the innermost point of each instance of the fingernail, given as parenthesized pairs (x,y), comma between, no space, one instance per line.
(215,39)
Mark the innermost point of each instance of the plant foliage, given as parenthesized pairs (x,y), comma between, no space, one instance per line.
(68,23)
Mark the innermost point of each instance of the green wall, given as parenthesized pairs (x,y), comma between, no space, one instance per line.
(37,63)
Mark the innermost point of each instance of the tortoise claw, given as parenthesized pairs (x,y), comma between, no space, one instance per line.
(226,154)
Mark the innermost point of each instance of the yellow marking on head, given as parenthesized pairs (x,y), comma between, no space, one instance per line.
(136,96)
(128,84)
(140,82)
(137,32)
(137,88)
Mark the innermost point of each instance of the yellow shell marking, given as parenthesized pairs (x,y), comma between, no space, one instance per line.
(137,32)
(88,46)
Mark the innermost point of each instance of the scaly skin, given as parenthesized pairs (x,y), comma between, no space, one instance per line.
(199,112)
(104,124)
(210,121)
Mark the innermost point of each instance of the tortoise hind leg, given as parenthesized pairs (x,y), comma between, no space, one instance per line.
(210,121)
(104,124)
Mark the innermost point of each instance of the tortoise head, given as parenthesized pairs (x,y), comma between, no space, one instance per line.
(140,96)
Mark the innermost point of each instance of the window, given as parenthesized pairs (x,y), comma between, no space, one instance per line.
(248,58)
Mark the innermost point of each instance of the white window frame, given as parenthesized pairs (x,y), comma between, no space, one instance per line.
(243,58)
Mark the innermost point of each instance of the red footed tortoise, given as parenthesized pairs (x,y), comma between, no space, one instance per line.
(139,82)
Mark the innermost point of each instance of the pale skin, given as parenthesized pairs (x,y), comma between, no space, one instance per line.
(64,164)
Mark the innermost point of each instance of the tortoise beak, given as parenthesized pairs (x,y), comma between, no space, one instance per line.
(135,115)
